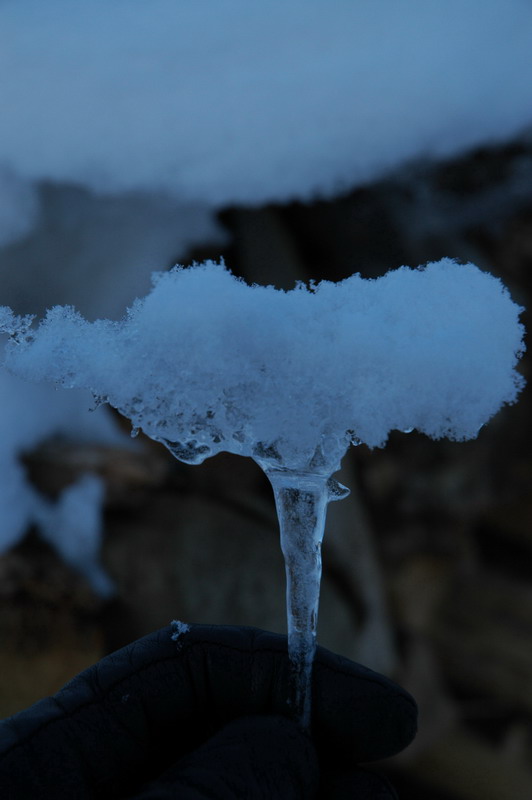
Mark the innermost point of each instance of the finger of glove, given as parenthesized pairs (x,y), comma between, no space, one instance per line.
(126,719)
(264,758)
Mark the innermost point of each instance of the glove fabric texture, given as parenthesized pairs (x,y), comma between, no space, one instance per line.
(202,714)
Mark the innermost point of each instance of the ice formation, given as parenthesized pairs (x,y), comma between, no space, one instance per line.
(207,363)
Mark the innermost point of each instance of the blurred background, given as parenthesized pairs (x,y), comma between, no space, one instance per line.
(427,564)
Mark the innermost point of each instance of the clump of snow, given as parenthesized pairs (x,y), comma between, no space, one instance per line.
(32,413)
(74,527)
(206,363)
(178,629)
(12,324)
(251,102)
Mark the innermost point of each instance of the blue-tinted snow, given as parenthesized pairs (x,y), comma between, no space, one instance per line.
(208,363)
(249,102)
(32,413)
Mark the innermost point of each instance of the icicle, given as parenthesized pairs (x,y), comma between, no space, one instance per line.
(301,500)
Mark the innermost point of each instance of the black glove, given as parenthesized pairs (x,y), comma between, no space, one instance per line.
(202,715)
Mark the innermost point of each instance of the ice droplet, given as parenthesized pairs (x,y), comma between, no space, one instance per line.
(99,400)
(189,452)
(134,432)
(336,490)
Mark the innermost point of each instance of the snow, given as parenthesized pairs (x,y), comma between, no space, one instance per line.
(74,527)
(29,418)
(242,102)
(206,363)
(178,629)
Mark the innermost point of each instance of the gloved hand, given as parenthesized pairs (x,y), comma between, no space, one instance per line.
(200,715)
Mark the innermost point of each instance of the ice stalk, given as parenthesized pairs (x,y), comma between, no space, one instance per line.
(301,500)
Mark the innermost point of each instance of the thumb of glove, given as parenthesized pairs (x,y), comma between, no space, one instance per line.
(260,758)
